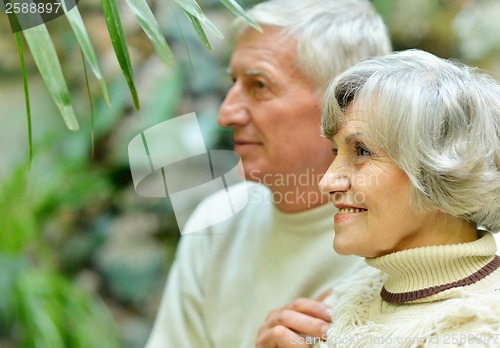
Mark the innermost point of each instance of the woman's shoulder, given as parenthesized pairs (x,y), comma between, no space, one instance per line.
(473,317)
(356,292)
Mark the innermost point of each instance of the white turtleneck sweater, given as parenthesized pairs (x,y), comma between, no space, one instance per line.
(227,278)
(436,296)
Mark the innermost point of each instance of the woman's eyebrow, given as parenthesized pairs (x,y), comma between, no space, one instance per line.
(352,136)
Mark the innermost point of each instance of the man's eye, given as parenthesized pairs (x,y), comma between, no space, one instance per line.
(259,84)
(259,90)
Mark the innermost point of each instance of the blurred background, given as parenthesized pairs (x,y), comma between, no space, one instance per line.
(83,257)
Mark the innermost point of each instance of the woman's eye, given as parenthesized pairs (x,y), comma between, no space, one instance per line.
(361,150)
(335,152)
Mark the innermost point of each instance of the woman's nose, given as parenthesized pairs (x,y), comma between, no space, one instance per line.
(336,179)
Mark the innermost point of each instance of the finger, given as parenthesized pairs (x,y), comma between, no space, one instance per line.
(313,308)
(280,336)
(300,323)
(324,295)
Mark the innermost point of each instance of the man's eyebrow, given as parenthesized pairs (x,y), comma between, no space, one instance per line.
(256,72)
(253,72)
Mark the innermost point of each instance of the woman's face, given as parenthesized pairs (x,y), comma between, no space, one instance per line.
(372,195)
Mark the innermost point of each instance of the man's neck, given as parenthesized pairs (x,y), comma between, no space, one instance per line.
(292,199)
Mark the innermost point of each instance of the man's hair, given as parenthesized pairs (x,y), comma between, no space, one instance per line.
(331,35)
(438,120)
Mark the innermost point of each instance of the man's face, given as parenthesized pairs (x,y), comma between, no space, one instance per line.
(274,111)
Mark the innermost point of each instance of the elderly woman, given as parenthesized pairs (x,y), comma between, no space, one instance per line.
(416,182)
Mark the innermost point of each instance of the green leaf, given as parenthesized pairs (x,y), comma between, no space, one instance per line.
(76,22)
(26,96)
(185,43)
(32,308)
(92,138)
(19,225)
(152,29)
(199,30)
(115,29)
(234,7)
(192,7)
(45,56)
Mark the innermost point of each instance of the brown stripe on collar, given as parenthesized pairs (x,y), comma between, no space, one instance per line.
(418,294)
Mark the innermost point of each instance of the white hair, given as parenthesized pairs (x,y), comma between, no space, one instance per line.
(438,120)
(331,35)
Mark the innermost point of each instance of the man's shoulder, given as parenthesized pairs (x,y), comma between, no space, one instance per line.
(244,193)
(231,206)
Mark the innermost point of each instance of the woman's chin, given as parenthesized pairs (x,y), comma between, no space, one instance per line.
(347,248)
(342,248)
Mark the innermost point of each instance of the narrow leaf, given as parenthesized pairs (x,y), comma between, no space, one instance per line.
(26,96)
(76,22)
(185,43)
(45,56)
(199,30)
(234,7)
(152,29)
(115,29)
(92,138)
(192,7)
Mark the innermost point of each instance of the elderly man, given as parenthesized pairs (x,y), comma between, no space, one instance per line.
(227,278)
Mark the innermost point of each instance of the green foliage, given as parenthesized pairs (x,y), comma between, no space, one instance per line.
(18,223)
(44,54)
(20,51)
(76,22)
(196,17)
(198,29)
(112,16)
(41,309)
(152,29)
(234,7)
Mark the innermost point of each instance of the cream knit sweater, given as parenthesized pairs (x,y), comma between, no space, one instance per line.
(229,276)
(437,296)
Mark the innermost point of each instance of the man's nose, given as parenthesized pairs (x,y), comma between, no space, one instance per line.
(234,111)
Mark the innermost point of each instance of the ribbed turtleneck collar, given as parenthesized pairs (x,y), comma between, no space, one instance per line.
(421,272)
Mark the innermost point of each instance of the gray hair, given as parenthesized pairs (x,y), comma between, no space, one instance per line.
(438,120)
(331,35)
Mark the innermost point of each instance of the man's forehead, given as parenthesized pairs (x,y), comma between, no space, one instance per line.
(270,43)
(270,64)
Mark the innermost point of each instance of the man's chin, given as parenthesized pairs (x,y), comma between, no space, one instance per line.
(246,149)
(254,173)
